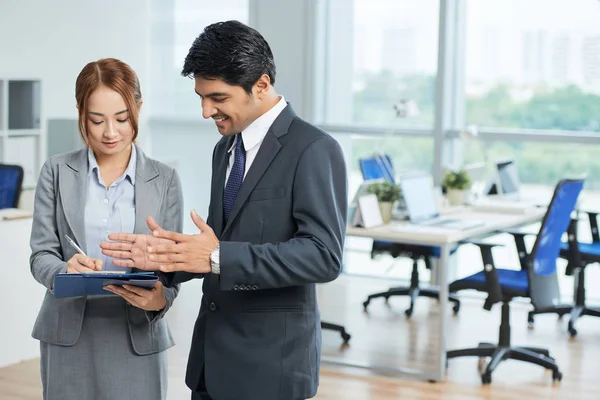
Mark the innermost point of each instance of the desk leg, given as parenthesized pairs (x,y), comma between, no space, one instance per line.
(439,372)
(450,271)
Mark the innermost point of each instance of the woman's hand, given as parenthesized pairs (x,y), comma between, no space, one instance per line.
(80,264)
(147,299)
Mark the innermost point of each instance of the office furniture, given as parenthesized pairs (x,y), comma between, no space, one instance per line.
(21,295)
(380,166)
(538,282)
(339,328)
(578,255)
(445,239)
(22,127)
(11,182)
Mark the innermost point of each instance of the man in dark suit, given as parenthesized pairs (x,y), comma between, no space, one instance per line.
(275,228)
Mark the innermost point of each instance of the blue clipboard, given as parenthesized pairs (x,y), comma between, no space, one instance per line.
(76,285)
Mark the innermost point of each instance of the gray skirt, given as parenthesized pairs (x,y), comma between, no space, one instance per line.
(102,364)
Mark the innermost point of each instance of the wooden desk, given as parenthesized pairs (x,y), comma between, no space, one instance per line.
(445,239)
(20,295)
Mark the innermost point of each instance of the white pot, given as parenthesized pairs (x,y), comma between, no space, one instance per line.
(456,197)
(386,207)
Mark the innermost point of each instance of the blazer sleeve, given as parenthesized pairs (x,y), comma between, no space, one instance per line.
(314,254)
(46,254)
(181,277)
(173,222)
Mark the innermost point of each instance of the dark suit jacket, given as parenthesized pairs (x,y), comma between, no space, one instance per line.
(258,333)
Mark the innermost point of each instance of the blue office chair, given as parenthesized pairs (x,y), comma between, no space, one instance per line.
(579,256)
(380,166)
(11,182)
(538,282)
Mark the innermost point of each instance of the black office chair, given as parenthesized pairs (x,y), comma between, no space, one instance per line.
(380,166)
(339,328)
(11,182)
(539,282)
(578,255)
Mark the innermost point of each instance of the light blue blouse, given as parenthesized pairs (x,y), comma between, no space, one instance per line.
(108,210)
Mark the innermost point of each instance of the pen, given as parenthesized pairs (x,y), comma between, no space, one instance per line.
(74,245)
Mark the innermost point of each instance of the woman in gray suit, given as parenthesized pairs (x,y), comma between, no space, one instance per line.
(102,347)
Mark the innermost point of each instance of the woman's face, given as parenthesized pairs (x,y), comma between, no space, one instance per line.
(109,131)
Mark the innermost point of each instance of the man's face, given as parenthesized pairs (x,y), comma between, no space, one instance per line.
(230,107)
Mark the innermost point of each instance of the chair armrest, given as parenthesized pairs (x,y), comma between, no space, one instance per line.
(574,256)
(492,283)
(593,218)
(519,232)
(481,244)
(519,236)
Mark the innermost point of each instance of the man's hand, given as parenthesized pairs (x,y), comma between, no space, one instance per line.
(190,253)
(147,299)
(131,250)
(82,264)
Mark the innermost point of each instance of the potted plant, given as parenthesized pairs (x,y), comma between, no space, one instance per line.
(387,193)
(456,184)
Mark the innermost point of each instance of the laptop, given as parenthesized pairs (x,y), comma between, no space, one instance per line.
(421,207)
(505,186)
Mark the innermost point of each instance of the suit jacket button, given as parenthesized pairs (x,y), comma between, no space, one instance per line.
(212,306)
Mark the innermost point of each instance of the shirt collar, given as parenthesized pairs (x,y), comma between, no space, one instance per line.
(129,172)
(257,130)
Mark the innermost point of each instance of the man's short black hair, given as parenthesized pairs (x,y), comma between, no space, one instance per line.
(232,52)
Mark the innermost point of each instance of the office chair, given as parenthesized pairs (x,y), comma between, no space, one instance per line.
(579,256)
(339,328)
(380,166)
(11,182)
(538,282)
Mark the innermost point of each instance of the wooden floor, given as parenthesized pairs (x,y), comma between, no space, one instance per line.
(384,336)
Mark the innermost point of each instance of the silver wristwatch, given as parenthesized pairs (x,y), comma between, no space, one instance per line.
(215,261)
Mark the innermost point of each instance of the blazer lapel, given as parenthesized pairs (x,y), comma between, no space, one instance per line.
(147,196)
(267,152)
(72,185)
(218,189)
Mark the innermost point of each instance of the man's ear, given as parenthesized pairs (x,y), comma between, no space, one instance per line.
(262,85)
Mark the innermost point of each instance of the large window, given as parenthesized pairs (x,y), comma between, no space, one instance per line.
(542,165)
(175,25)
(533,64)
(408,154)
(381,53)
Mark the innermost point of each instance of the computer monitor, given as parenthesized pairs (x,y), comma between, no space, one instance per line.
(508,177)
(419,198)
(505,180)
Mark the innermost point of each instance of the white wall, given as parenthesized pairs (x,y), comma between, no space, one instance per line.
(53,40)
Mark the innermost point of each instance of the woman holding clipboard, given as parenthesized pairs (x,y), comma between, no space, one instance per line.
(101,347)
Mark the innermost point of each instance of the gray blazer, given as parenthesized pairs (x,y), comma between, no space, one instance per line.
(258,333)
(59,209)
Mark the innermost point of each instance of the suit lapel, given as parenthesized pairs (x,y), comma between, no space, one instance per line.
(72,184)
(267,152)
(147,196)
(222,160)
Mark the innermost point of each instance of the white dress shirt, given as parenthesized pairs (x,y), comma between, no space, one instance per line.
(254,135)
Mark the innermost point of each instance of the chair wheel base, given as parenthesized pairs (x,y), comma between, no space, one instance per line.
(572,330)
(486,378)
(556,376)
(346,337)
